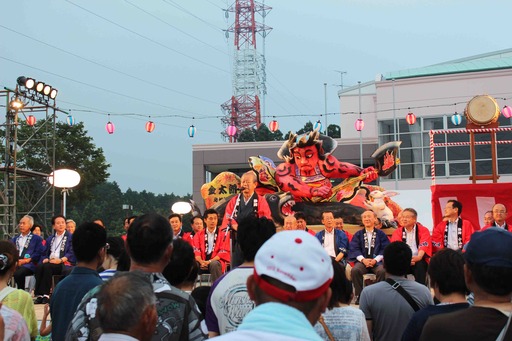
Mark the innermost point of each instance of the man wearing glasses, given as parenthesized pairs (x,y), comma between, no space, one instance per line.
(499,214)
(452,232)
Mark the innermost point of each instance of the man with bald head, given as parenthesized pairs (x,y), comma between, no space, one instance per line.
(248,203)
(499,214)
(290,223)
(367,250)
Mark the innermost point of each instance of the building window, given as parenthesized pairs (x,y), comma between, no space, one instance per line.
(450,161)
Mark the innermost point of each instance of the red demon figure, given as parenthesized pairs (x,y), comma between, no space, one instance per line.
(309,166)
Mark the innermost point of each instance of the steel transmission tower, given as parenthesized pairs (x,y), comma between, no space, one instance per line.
(243,109)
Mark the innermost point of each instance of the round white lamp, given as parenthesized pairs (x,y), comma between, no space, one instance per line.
(65,179)
(181,207)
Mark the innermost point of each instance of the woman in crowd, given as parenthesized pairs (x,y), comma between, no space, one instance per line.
(16,299)
(114,251)
(342,322)
(38,231)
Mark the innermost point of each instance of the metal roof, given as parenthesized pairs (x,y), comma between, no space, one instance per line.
(483,62)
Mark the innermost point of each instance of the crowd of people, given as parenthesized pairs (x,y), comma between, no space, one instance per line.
(297,284)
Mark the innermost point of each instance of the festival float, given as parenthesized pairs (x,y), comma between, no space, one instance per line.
(311,180)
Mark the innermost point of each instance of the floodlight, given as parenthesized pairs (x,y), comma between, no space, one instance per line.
(26,82)
(53,93)
(40,87)
(47,89)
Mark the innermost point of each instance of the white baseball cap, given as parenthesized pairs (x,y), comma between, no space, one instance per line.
(295,258)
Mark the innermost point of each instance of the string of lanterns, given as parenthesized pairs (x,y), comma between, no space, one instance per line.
(273,125)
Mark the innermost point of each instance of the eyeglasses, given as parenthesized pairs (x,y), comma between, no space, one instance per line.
(499,212)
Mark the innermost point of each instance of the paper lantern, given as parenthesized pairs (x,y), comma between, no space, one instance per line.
(456,119)
(359,124)
(110,127)
(150,126)
(231,130)
(191,131)
(70,120)
(317,126)
(273,126)
(507,111)
(31,120)
(410,118)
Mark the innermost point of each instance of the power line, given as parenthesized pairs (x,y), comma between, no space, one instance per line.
(181,8)
(176,28)
(294,96)
(108,67)
(147,38)
(99,88)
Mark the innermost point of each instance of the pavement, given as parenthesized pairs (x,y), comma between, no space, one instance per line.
(39,308)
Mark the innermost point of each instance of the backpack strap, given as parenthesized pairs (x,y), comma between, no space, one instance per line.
(395,285)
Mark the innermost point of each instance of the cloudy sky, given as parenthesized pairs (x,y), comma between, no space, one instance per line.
(170,60)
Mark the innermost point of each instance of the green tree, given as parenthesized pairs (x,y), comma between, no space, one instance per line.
(334,131)
(105,203)
(306,129)
(74,149)
(277,135)
(246,136)
(263,133)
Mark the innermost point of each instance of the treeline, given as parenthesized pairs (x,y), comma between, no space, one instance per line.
(107,200)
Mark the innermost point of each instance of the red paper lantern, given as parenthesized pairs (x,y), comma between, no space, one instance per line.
(231,130)
(273,126)
(410,118)
(110,127)
(359,124)
(31,120)
(150,126)
(507,111)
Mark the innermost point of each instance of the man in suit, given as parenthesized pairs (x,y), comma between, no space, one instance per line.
(334,241)
(499,213)
(30,248)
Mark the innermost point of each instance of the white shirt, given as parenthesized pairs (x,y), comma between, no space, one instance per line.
(115,336)
(453,243)
(211,240)
(57,244)
(329,243)
(501,226)
(410,240)
(20,243)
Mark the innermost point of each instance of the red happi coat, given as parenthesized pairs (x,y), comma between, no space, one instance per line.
(425,241)
(221,249)
(439,230)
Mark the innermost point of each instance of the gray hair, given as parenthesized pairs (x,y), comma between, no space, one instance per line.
(123,299)
(30,219)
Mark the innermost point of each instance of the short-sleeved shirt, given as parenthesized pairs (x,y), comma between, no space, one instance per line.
(178,315)
(388,310)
